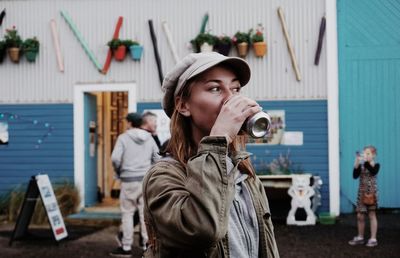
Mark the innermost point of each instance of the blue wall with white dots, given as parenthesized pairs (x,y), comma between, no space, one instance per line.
(40,141)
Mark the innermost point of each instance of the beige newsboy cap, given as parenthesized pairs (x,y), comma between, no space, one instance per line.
(194,64)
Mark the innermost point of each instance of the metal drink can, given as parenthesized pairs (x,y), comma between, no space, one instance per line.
(258,125)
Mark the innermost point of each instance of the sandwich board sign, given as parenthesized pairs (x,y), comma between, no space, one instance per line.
(40,186)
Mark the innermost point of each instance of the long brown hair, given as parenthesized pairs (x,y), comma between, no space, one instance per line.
(181,145)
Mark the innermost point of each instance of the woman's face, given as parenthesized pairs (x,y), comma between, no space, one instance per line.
(208,93)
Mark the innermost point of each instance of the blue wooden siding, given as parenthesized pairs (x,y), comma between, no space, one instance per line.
(21,158)
(369,58)
(310,117)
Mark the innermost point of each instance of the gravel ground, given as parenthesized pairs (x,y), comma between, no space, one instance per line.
(96,239)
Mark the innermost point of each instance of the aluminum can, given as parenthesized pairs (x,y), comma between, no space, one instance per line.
(258,125)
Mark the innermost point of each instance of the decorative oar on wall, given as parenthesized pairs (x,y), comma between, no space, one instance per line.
(109,54)
(81,40)
(56,42)
(204,23)
(156,54)
(171,43)
(2,15)
(289,44)
(320,40)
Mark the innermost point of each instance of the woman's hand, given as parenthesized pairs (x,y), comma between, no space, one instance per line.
(233,113)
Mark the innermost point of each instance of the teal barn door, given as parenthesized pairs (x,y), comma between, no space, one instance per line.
(369,94)
(90,138)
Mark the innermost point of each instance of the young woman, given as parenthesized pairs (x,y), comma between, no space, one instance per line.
(203,199)
(367,172)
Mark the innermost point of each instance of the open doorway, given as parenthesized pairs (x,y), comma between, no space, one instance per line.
(112,108)
(99,112)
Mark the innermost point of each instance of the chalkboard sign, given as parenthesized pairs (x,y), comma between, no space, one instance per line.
(40,186)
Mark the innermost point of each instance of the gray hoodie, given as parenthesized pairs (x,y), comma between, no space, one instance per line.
(134,152)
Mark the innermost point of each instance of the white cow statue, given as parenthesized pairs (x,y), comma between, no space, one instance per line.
(301,191)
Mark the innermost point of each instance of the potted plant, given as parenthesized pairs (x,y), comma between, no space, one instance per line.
(135,49)
(257,39)
(127,43)
(283,165)
(13,44)
(3,50)
(204,42)
(118,49)
(30,48)
(223,45)
(241,40)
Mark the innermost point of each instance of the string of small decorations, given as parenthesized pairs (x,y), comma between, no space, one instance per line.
(36,123)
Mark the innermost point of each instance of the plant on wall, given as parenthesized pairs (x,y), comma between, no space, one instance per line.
(30,48)
(223,44)
(135,49)
(242,40)
(13,43)
(114,44)
(128,43)
(118,48)
(241,37)
(204,42)
(257,40)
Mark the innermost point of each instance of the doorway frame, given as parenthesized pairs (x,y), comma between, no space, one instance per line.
(78,105)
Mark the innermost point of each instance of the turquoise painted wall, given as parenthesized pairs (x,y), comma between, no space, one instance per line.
(369,92)
(52,125)
(310,117)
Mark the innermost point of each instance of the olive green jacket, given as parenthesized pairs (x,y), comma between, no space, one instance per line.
(186,210)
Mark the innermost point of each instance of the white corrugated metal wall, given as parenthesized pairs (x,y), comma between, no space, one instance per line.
(273,76)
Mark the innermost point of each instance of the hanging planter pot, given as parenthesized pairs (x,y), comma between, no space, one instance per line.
(205,47)
(13,42)
(13,53)
(242,49)
(204,42)
(257,39)
(30,55)
(118,49)
(136,52)
(223,49)
(30,48)
(241,40)
(260,48)
(223,45)
(120,53)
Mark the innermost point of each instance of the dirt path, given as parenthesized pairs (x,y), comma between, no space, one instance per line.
(309,241)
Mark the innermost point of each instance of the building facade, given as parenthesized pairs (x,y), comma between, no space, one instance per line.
(64,123)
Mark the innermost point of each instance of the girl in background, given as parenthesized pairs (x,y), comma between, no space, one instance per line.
(366,169)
